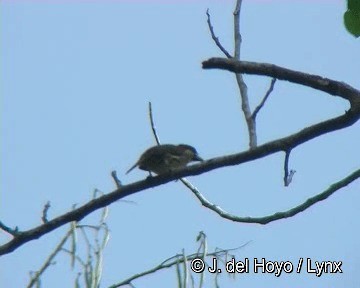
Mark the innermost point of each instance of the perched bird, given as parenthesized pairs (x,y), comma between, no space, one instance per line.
(165,158)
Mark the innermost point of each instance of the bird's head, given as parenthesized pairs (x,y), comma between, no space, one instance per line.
(190,152)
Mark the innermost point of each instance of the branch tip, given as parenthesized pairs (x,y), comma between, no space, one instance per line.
(45,211)
(214,37)
(116,179)
(153,125)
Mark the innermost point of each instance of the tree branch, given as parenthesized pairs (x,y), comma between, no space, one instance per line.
(257,109)
(245,105)
(45,211)
(317,82)
(49,260)
(13,232)
(116,179)
(283,144)
(175,260)
(213,36)
(153,128)
(153,125)
(281,215)
(237,34)
(287,175)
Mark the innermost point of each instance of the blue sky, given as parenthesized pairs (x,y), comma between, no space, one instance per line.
(76,78)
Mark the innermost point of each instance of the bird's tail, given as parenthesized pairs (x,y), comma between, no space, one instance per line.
(132,168)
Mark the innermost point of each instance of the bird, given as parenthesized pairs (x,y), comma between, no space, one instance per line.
(165,158)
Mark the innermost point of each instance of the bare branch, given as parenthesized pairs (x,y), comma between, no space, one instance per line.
(237,34)
(286,167)
(13,232)
(327,85)
(287,175)
(153,125)
(213,36)
(45,211)
(49,259)
(281,215)
(116,179)
(257,109)
(283,144)
(245,105)
(173,261)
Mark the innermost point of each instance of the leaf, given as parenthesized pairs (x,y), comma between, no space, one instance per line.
(352,22)
(354,5)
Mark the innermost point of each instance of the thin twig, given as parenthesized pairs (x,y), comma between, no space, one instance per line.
(286,167)
(116,179)
(153,125)
(287,175)
(14,232)
(77,258)
(280,215)
(213,36)
(257,109)
(49,260)
(45,211)
(177,259)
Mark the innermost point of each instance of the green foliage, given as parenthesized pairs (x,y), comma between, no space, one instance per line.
(352,17)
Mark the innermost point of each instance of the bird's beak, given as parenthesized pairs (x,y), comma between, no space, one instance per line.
(197,158)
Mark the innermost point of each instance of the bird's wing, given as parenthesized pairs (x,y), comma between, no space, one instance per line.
(150,160)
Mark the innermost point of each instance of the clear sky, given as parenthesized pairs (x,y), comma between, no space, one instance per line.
(76,78)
